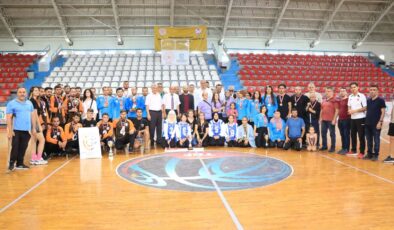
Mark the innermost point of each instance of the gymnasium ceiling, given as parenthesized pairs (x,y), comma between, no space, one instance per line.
(314,20)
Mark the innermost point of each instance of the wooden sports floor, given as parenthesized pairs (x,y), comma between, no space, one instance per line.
(326,191)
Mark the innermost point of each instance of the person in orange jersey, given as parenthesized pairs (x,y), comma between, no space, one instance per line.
(106,132)
(72,105)
(124,132)
(71,130)
(55,138)
(56,105)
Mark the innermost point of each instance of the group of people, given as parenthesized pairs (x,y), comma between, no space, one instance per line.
(194,117)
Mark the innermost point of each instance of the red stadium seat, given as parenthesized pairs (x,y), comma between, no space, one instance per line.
(297,69)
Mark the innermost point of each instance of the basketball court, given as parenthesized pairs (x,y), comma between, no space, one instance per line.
(219,188)
(122,51)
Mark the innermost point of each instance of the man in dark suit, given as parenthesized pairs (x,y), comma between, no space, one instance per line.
(187,101)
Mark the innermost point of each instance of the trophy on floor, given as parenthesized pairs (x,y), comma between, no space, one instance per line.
(190,144)
(110,145)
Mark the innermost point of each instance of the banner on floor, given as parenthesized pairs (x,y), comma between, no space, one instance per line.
(3,119)
(89,143)
(197,36)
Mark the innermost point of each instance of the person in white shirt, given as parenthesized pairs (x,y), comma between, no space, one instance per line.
(155,113)
(220,90)
(312,90)
(171,101)
(126,89)
(89,102)
(198,93)
(357,105)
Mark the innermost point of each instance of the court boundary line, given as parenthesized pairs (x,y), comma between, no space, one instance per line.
(358,169)
(35,186)
(385,140)
(223,198)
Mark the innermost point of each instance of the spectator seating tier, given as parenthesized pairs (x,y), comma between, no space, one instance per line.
(13,72)
(299,70)
(140,70)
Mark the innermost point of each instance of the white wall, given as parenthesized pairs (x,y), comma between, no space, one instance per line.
(387,49)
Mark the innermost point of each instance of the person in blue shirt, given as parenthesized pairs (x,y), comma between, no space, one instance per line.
(141,101)
(295,130)
(103,103)
(260,128)
(245,134)
(117,103)
(230,131)
(255,106)
(276,131)
(216,131)
(21,120)
(131,106)
(170,135)
(242,106)
(185,132)
(269,100)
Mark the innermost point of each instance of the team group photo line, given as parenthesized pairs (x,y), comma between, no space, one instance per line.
(44,122)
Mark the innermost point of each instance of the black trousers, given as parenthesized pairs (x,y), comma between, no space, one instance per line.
(19,146)
(294,144)
(106,140)
(216,142)
(242,144)
(260,140)
(155,124)
(52,149)
(357,128)
(184,145)
(232,143)
(168,110)
(304,137)
(278,144)
(120,143)
(74,144)
(205,142)
(164,143)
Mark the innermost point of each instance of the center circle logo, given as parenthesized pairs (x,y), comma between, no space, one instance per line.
(204,171)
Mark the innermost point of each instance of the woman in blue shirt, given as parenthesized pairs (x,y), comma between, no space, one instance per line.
(276,130)
(185,133)
(242,106)
(269,100)
(230,131)
(254,107)
(260,128)
(245,134)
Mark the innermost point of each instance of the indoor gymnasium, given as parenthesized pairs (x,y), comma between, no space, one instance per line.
(196,114)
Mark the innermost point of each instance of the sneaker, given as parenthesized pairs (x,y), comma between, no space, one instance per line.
(11,166)
(360,156)
(351,153)
(22,167)
(374,158)
(367,157)
(389,159)
(33,162)
(42,162)
(342,151)
(331,151)
(323,149)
